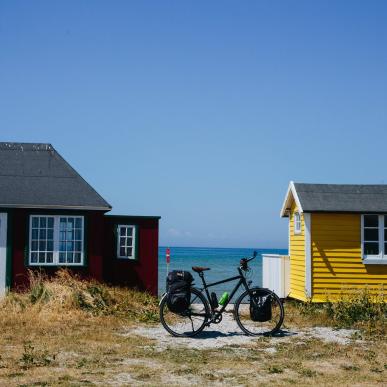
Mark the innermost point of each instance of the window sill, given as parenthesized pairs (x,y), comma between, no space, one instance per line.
(374,261)
(56,264)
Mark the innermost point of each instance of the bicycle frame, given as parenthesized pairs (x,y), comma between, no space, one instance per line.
(242,281)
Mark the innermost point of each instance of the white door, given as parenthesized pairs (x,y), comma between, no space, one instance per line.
(3,252)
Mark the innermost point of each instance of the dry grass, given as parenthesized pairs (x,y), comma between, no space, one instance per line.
(68,332)
(358,309)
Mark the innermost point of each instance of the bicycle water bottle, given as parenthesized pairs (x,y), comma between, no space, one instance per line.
(223,300)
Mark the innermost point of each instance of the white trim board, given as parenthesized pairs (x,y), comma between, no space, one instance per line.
(308,255)
(286,204)
(3,253)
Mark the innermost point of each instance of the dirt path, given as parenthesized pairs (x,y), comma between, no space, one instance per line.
(227,333)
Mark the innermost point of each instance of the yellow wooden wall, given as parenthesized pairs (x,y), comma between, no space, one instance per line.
(336,257)
(297,258)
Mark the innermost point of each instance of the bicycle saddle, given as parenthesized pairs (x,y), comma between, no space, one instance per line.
(199,269)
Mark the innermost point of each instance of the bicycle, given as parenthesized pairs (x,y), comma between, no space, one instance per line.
(203,311)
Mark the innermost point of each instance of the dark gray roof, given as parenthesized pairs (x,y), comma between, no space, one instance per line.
(36,176)
(342,197)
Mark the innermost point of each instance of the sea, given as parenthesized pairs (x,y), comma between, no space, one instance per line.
(223,262)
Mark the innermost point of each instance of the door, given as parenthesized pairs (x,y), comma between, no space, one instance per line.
(3,253)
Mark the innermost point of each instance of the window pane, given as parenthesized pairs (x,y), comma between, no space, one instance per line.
(42,234)
(70,223)
(62,257)
(129,242)
(34,257)
(77,258)
(371,248)
(371,221)
(130,231)
(42,222)
(50,246)
(129,251)
(70,246)
(50,222)
(62,225)
(62,235)
(122,241)
(122,252)
(385,249)
(122,231)
(78,223)
(35,233)
(62,246)
(41,258)
(78,235)
(78,246)
(34,246)
(371,234)
(70,257)
(385,234)
(42,246)
(50,258)
(50,234)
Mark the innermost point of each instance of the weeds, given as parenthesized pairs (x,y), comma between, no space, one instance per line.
(275,369)
(352,309)
(67,292)
(34,358)
(360,309)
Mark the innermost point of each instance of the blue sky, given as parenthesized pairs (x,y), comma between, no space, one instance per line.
(199,111)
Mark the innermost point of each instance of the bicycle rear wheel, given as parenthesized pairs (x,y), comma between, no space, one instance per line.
(259,328)
(189,323)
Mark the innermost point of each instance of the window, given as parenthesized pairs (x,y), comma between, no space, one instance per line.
(374,238)
(56,240)
(126,242)
(297,223)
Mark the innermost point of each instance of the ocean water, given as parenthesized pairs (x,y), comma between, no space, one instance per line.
(222,261)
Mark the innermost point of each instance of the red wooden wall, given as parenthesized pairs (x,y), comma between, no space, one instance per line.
(94,221)
(142,273)
(100,247)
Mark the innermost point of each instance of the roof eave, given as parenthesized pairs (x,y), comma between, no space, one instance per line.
(290,194)
(56,207)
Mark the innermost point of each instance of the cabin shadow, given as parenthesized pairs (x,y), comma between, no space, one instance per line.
(324,257)
(376,269)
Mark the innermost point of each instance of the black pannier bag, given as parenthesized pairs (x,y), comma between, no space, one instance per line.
(260,310)
(179,290)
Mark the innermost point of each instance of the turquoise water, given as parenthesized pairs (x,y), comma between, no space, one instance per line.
(222,261)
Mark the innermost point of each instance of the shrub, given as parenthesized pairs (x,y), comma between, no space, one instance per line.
(359,308)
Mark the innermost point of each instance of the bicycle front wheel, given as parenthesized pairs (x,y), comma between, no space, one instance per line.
(190,322)
(274,313)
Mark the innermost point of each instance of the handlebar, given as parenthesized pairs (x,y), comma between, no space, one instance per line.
(244,261)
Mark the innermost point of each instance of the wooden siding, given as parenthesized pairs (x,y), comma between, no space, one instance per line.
(297,258)
(101,263)
(141,273)
(336,257)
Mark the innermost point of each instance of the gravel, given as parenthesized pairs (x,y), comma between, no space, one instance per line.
(227,333)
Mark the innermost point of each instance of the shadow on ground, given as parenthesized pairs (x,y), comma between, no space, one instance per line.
(206,334)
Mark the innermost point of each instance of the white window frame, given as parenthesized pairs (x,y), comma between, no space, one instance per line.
(56,241)
(380,258)
(134,236)
(297,223)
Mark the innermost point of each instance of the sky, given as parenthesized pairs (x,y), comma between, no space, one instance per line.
(200,112)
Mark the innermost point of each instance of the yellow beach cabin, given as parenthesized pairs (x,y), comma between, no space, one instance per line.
(337,242)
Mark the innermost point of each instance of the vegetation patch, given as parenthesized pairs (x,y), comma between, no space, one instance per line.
(67,331)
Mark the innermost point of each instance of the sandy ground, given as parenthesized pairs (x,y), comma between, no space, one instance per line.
(227,333)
